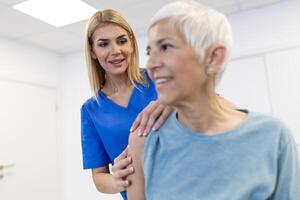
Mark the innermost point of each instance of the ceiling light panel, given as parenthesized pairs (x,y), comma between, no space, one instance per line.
(56,12)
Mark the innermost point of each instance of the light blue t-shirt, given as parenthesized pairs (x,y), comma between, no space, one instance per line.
(255,161)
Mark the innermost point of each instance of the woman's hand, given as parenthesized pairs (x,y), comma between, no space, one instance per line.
(151,118)
(120,170)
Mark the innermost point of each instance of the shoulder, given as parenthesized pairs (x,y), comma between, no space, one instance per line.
(146,87)
(266,120)
(146,78)
(136,145)
(272,126)
(92,102)
(145,74)
(171,124)
(135,141)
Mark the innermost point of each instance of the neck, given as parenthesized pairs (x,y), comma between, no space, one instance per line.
(209,114)
(115,84)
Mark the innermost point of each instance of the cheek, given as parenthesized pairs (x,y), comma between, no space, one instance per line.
(185,85)
(100,54)
(129,50)
(101,60)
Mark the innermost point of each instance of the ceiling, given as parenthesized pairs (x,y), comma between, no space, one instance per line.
(23,28)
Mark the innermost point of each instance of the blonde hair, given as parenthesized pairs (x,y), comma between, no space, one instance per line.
(200,26)
(95,71)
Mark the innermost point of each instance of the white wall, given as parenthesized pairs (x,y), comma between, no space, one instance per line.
(267,45)
(74,90)
(24,63)
(266,29)
(34,72)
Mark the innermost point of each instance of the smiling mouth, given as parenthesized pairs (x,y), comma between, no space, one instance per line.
(162,80)
(117,61)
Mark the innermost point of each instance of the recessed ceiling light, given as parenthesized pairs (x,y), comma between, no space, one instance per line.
(56,12)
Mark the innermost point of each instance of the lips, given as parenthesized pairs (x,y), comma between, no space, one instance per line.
(116,61)
(162,79)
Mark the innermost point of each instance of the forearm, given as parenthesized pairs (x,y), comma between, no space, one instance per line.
(105,183)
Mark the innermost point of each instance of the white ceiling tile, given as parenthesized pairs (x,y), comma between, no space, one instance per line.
(16,24)
(229,9)
(11,2)
(218,3)
(137,12)
(56,40)
(112,4)
(213,3)
(224,6)
(139,15)
(246,4)
(77,29)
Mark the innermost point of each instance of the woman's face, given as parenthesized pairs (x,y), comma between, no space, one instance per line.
(112,48)
(173,65)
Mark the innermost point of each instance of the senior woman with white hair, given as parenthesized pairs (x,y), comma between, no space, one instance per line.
(206,149)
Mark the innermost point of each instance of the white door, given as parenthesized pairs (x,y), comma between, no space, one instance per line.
(28,140)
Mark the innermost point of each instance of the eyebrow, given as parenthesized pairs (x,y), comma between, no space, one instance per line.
(104,39)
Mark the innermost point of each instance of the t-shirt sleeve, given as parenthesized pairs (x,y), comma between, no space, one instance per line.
(93,151)
(288,173)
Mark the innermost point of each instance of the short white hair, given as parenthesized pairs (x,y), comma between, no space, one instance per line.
(200,26)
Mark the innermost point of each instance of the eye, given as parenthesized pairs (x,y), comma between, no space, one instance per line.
(102,44)
(148,52)
(122,41)
(165,46)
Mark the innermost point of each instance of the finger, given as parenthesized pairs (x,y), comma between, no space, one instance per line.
(119,159)
(136,123)
(123,173)
(121,164)
(122,184)
(153,117)
(145,116)
(122,155)
(162,118)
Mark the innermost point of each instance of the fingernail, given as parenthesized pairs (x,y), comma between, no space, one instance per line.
(129,159)
(145,133)
(154,129)
(131,169)
(140,132)
(130,129)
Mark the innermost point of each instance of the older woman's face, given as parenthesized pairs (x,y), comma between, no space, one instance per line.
(173,65)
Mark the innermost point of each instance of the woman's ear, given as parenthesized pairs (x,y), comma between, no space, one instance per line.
(132,43)
(93,54)
(215,58)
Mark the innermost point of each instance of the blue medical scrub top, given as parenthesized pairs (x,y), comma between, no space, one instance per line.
(105,125)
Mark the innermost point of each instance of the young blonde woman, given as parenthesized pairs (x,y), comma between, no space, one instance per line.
(121,91)
(206,150)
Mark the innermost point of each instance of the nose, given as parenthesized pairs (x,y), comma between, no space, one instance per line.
(115,49)
(154,61)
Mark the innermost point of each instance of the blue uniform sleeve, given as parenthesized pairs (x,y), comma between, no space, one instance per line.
(288,172)
(93,151)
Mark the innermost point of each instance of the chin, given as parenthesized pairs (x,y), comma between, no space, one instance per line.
(119,71)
